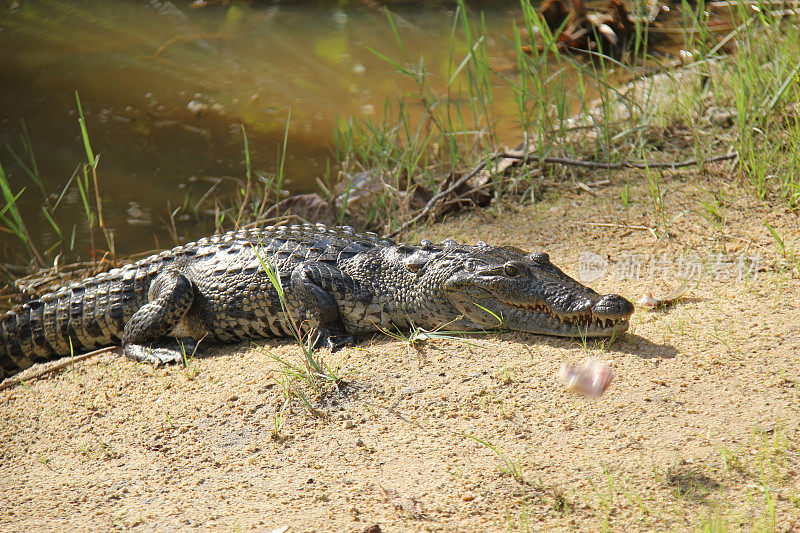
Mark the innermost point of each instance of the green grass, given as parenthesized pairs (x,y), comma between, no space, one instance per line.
(458,124)
(426,137)
(85,179)
(417,335)
(505,464)
(317,376)
(10,215)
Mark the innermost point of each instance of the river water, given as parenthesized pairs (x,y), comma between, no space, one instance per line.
(165,89)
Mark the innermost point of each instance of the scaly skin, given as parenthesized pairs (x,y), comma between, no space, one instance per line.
(338,286)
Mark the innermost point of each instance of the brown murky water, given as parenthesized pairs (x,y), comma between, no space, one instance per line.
(165,89)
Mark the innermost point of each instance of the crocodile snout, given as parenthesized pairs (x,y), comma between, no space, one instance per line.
(612,306)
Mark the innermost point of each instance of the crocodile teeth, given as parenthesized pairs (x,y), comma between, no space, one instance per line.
(587,322)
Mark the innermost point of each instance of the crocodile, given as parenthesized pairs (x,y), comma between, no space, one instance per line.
(332,285)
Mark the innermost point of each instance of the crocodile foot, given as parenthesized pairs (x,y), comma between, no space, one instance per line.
(325,338)
(162,353)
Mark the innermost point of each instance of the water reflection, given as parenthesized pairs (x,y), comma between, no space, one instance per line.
(165,89)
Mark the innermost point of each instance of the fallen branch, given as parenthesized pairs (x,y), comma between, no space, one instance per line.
(610,225)
(7,384)
(528,158)
(622,164)
(435,200)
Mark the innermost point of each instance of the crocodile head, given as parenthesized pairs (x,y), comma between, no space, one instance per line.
(507,287)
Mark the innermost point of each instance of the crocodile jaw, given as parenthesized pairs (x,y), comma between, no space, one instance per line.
(585,315)
(535,319)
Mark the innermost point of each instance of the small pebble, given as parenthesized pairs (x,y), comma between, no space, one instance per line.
(348,424)
(197,108)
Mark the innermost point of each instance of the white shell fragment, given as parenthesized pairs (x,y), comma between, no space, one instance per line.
(590,377)
(664,301)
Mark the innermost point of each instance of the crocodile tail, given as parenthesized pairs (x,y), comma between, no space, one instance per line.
(22,341)
(53,326)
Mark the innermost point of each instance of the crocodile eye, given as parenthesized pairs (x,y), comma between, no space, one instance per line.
(511,271)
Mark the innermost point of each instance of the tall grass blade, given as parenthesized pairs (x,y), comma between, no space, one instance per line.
(84,133)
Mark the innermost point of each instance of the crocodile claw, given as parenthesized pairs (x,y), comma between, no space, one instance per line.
(325,338)
(165,353)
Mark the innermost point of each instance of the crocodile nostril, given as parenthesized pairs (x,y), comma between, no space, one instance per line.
(613,305)
(539,257)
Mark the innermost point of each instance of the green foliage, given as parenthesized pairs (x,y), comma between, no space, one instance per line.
(505,464)
(449,119)
(314,372)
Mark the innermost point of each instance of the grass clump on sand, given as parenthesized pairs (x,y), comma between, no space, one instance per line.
(735,96)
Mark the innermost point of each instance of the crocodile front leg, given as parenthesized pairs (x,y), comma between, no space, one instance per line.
(311,298)
(145,337)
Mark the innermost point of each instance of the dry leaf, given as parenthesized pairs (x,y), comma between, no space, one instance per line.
(664,301)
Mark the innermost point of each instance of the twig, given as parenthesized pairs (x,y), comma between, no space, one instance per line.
(39,258)
(7,384)
(610,225)
(581,185)
(720,27)
(621,164)
(208,193)
(244,204)
(435,200)
(189,39)
(556,161)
